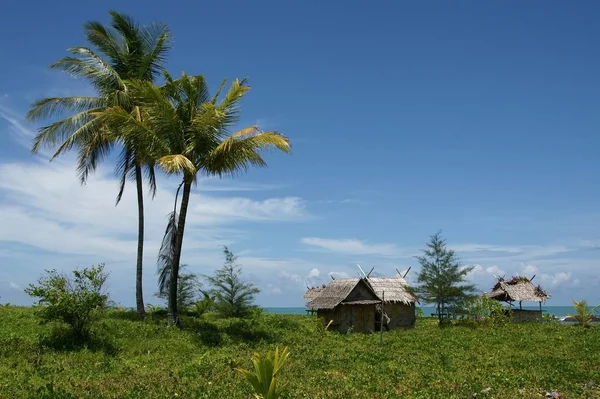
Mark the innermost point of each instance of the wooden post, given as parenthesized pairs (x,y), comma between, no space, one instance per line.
(381,318)
(520,305)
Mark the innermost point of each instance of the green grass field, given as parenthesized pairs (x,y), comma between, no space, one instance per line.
(133,359)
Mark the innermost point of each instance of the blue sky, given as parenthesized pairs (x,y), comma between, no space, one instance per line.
(478,118)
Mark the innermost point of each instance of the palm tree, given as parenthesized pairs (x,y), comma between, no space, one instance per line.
(187,132)
(584,314)
(125,51)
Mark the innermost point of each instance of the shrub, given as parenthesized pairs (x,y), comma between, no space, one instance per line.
(75,301)
(204,305)
(481,311)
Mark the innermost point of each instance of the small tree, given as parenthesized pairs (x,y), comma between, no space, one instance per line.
(188,290)
(233,297)
(584,314)
(442,280)
(74,301)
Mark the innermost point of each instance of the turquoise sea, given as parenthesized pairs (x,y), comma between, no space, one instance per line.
(558,311)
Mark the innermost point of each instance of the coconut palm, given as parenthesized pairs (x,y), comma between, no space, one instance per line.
(188,132)
(125,51)
(584,314)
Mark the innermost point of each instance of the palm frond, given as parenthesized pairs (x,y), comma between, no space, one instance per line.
(105,41)
(92,68)
(241,150)
(92,150)
(172,164)
(155,39)
(52,106)
(166,253)
(229,107)
(69,131)
(124,170)
(151,178)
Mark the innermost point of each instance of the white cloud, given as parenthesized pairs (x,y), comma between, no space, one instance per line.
(530,270)
(485,253)
(14,286)
(44,206)
(20,133)
(338,274)
(314,273)
(354,247)
(559,279)
(495,270)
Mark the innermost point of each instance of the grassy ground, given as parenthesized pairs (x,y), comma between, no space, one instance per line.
(132,359)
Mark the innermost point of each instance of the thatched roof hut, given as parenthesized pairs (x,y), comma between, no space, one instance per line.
(395,289)
(338,292)
(518,289)
(312,293)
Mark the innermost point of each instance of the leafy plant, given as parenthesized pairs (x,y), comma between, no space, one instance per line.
(75,301)
(584,314)
(233,297)
(481,311)
(205,304)
(263,379)
(188,289)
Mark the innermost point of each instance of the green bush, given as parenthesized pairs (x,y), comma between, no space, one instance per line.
(75,302)
(481,311)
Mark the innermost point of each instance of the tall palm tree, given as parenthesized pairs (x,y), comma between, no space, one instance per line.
(187,131)
(125,51)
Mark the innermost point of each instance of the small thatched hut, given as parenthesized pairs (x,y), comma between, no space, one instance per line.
(398,301)
(519,289)
(349,302)
(311,294)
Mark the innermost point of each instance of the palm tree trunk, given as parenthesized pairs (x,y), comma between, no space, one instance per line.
(173,310)
(139,294)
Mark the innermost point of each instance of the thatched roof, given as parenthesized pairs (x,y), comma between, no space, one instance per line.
(312,293)
(394,288)
(517,289)
(337,292)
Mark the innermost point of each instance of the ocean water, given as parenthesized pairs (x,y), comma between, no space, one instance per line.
(558,311)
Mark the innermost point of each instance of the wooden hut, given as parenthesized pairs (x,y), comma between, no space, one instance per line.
(311,294)
(519,289)
(398,302)
(349,302)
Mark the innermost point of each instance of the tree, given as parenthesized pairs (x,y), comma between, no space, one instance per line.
(233,297)
(584,314)
(186,130)
(125,51)
(441,279)
(188,289)
(74,301)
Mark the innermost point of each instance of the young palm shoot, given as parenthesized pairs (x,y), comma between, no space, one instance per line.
(263,379)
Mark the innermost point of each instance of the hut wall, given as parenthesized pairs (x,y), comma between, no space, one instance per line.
(360,317)
(401,315)
(519,315)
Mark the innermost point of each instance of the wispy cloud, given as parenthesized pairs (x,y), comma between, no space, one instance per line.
(85,219)
(20,132)
(351,246)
